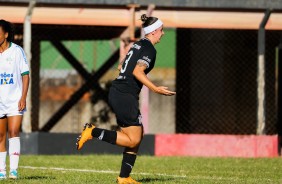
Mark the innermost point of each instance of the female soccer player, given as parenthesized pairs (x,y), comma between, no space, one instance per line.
(14,81)
(124,95)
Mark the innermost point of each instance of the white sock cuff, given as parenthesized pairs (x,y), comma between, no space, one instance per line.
(14,138)
(3,154)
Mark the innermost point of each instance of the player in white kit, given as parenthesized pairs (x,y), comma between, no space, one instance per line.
(14,81)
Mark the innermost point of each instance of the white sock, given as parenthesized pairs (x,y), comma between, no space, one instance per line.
(3,162)
(14,152)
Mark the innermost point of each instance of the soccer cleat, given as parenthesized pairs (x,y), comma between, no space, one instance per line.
(13,174)
(127,180)
(85,135)
(2,175)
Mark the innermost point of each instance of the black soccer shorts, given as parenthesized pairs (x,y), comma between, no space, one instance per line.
(125,107)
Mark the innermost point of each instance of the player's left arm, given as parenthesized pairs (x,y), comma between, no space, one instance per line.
(22,102)
(120,65)
(139,73)
(24,69)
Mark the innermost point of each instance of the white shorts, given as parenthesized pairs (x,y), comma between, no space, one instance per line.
(18,113)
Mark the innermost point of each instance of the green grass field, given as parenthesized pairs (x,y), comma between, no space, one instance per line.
(148,169)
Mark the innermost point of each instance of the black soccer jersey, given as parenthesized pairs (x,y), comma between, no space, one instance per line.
(141,51)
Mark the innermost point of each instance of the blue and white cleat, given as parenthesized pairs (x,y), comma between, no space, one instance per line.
(2,175)
(13,174)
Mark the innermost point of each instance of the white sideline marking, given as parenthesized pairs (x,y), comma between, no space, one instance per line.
(98,171)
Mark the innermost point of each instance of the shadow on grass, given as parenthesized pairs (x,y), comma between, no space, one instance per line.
(149,180)
(38,178)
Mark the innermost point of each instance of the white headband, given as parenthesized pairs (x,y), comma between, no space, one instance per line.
(153,27)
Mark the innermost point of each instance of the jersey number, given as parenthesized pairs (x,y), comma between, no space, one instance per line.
(129,54)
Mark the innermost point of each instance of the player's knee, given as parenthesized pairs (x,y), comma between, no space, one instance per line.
(134,143)
(2,137)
